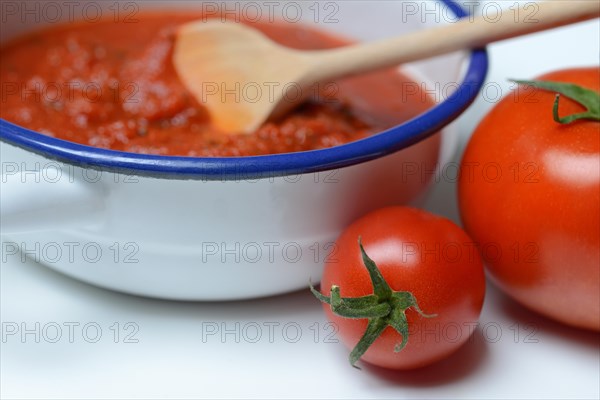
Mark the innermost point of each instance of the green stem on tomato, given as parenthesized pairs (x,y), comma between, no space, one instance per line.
(586,97)
(385,307)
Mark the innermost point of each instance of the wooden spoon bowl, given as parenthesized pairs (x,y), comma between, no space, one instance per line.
(244,78)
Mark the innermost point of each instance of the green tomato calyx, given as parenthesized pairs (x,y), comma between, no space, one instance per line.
(383,308)
(586,97)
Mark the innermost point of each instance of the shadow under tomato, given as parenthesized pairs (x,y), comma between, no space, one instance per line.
(521,314)
(465,361)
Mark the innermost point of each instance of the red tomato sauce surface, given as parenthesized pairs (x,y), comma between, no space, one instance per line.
(113,85)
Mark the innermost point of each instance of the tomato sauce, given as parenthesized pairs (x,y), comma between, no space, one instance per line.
(113,85)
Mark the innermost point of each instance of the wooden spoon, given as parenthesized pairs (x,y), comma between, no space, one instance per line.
(244,78)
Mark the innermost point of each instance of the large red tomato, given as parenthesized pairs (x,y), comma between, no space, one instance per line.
(435,272)
(530,195)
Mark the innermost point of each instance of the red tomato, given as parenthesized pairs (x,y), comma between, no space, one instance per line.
(429,257)
(530,191)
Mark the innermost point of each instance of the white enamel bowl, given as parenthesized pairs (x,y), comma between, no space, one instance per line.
(224,229)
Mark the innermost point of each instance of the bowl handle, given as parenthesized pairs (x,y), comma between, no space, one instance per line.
(46,200)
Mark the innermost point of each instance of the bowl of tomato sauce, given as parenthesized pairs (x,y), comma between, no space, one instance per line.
(113,174)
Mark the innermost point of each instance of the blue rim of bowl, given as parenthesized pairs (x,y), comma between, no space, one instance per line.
(255,167)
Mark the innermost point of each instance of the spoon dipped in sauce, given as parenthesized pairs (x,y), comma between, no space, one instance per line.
(214,59)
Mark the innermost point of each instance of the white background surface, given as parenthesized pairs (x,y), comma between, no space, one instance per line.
(172,358)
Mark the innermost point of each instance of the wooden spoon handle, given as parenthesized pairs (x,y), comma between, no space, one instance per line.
(465,34)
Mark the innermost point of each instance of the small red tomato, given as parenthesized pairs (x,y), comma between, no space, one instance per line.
(532,196)
(412,296)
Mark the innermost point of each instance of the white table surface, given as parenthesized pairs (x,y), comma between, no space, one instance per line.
(513,354)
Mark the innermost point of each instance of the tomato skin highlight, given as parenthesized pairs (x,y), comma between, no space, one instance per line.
(418,252)
(543,210)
